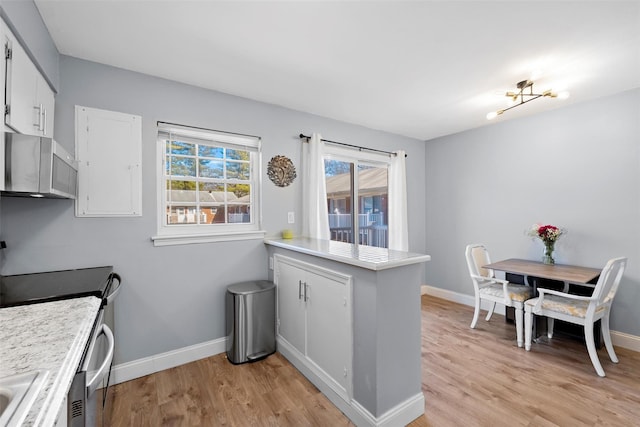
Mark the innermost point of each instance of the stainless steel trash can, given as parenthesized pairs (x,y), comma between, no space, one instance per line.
(250,321)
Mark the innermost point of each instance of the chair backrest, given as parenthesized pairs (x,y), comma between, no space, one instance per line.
(609,280)
(477,256)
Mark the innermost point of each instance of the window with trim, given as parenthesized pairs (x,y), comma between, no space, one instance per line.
(209,186)
(357,196)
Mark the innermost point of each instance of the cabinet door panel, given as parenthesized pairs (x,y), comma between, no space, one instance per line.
(46,98)
(21,91)
(328,326)
(291,309)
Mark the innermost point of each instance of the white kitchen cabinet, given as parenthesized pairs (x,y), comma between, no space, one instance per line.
(314,320)
(46,101)
(30,102)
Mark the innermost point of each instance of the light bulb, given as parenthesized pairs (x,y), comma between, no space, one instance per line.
(563,95)
(492,115)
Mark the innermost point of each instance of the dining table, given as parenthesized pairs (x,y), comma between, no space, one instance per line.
(535,269)
(567,278)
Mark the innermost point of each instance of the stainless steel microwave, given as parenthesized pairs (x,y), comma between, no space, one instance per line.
(38,167)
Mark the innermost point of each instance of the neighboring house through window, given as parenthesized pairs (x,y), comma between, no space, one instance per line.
(208,187)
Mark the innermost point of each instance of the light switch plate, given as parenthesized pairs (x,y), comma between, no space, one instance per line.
(291,217)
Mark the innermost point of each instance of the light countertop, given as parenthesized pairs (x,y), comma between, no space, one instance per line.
(368,257)
(50,336)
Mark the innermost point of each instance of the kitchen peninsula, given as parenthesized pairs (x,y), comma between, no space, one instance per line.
(349,320)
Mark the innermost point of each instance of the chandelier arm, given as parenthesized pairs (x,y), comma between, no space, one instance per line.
(535,96)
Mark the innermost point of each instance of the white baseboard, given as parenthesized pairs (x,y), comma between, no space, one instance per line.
(457,297)
(400,415)
(159,362)
(630,342)
(620,339)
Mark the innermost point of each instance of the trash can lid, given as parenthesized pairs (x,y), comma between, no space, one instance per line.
(250,287)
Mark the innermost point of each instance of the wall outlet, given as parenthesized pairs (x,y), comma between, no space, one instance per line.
(270,263)
(291,217)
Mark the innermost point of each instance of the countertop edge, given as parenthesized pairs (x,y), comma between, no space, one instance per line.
(409,259)
(58,392)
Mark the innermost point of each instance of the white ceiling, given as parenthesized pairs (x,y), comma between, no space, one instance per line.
(421,69)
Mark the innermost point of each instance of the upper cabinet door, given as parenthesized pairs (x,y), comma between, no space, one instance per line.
(23,114)
(45,103)
(29,102)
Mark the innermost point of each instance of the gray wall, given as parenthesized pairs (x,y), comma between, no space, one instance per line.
(174,296)
(576,167)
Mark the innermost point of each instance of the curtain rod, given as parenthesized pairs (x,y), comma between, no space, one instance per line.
(301,136)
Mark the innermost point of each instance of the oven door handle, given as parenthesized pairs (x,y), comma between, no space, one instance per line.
(92,384)
(114,292)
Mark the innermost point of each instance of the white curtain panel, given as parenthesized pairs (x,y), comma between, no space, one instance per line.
(398,230)
(315,221)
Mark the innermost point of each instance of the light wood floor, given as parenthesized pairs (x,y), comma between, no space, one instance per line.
(469,378)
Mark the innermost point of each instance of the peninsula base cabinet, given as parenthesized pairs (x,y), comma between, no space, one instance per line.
(349,319)
(315,321)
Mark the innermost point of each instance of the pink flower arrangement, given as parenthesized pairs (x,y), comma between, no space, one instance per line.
(547,233)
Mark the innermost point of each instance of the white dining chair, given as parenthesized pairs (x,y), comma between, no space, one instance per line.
(496,291)
(580,310)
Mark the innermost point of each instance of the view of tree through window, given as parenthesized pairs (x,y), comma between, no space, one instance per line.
(369,223)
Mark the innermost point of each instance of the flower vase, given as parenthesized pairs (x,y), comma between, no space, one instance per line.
(547,258)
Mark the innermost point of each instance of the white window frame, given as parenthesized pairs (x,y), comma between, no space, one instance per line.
(357,157)
(173,234)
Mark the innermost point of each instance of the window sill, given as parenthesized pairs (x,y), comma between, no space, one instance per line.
(188,239)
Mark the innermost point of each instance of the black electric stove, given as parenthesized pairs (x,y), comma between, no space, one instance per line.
(22,289)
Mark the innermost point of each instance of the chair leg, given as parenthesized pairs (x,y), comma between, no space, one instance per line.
(490,312)
(476,313)
(606,334)
(591,347)
(528,328)
(550,322)
(519,319)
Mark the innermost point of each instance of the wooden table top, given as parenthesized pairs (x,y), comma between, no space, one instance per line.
(565,273)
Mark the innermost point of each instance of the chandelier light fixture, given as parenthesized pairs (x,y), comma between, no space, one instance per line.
(524,97)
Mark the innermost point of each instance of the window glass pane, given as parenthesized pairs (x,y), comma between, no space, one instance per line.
(207,213)
(338,181)
(182,214)
(219,215)
(176,184)
(211,169)
(239,214)
(372,203)
(179,147)
(237,154)
(181,166)
(242,192)
(237,170)
(209,151)
(211,186)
